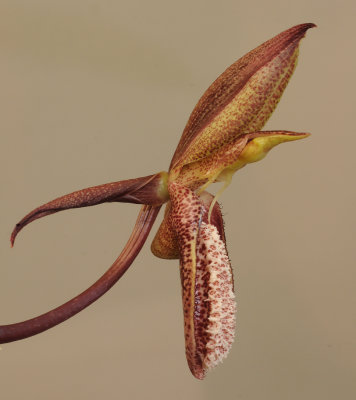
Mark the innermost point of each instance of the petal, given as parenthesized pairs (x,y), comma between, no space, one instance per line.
(242,99)
(149,190)
(165,242)
(207,170)
(214,287)
(223,163)
(260,143)
(207,283)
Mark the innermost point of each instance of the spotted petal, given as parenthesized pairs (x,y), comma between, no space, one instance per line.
(149,190)
(207,283)
(241,99)
(223,163)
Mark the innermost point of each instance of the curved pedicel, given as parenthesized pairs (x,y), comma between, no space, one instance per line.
(22,330)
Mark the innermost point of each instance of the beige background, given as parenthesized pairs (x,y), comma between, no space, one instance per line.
(97,91)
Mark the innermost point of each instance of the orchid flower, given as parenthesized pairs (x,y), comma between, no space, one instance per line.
(223,134)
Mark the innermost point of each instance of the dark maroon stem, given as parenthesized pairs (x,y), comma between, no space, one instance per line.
(22,330)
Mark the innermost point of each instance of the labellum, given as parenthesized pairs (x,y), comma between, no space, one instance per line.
(223,134)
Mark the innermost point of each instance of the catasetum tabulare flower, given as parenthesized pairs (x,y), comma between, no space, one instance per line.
(223,134)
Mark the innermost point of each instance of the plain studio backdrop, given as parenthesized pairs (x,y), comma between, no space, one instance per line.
(97,91)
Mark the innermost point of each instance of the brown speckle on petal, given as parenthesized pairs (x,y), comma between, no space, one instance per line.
(207,283)
(218,319)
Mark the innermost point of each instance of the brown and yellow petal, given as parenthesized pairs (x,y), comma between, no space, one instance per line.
(224,162)
(165,242)
(241,100)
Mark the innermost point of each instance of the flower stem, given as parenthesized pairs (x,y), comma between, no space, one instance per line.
(25,329)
